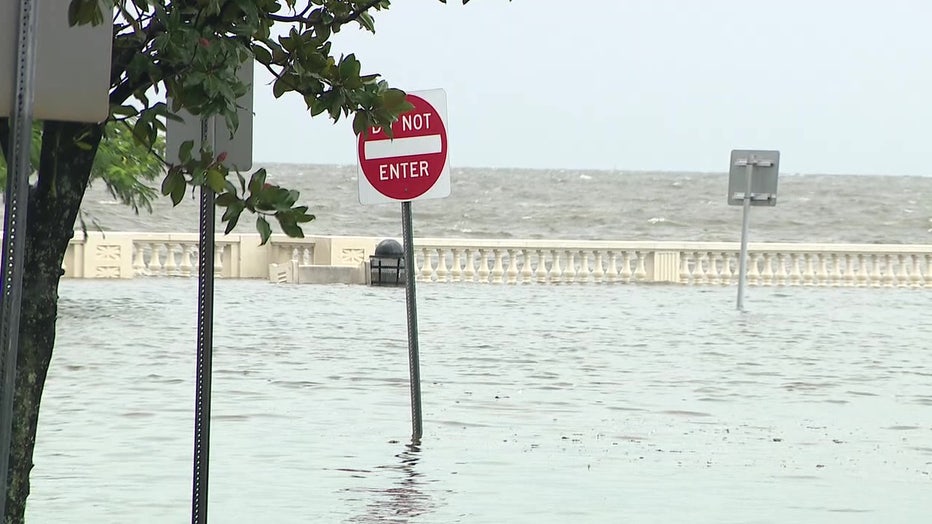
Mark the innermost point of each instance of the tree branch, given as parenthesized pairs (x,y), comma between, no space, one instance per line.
(356,13)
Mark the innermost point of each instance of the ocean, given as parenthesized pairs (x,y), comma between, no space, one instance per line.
(591,205)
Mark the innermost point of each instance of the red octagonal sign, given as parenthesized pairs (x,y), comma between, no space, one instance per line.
(413,163)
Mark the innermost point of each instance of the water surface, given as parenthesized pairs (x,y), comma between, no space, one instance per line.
(542,404)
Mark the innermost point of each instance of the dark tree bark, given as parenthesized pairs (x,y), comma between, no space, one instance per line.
(68,151)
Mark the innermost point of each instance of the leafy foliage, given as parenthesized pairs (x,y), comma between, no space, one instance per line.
(192,49)
(127,167)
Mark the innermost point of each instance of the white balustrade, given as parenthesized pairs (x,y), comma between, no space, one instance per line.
(124,255)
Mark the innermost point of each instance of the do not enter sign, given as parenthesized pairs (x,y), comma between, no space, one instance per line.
(412,163)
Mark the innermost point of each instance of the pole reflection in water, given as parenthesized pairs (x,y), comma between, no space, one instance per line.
(404,500)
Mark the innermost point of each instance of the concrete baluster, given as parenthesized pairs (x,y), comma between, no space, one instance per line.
(640,274)
(184,266)
(712,270)
(218,260)
(171,267)
(837,275)
(902,276)
(795,275)
(754,269)
(767,270)
(780,272)
(876,277)
(427,266)
(456,271)
(442,270)
(497,268)
(685,258)
(809,273)
(850,273)
(569,270)
(699,273)
(139,263)
(612,267)
(625,273)
(730,268)
(527,272)
(541,267)
(469,268)
(556,269)
(915,276)
(863,274)
(483,266)
(599,274)
(512,272)
(889,272)
(582,276)
(155,259)
(823,277)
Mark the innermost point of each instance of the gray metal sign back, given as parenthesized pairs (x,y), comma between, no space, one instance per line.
(766,165)
(238,148)
(72,64)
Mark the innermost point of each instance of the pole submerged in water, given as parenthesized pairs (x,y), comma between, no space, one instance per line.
(745,221)
(205,323)
(411,301)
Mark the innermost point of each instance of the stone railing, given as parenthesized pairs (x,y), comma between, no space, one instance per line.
(343,259)
(689,263)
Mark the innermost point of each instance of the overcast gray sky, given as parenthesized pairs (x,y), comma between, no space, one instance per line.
(837,86)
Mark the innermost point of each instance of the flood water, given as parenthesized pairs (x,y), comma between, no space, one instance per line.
(546,404)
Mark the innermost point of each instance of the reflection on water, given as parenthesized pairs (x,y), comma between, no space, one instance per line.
(404,500)
(541,405)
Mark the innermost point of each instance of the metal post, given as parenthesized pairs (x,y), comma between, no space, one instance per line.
(14,226)
(205,323)
(742,261)
(410,298)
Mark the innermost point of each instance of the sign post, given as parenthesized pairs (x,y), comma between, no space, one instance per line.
(411,164)
(746,190)
(50,71)
(14,227)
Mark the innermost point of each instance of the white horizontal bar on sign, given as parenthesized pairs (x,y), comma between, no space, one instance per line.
(415,145)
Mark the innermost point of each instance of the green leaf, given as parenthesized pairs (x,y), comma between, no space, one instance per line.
(184,152)
(263,56)
(231,216)
(265,231)
(257,181)
(290,228)
(226,199)
(349,67)
(178,192)
(216,180)
(279,88)
(360,122)
(172,179)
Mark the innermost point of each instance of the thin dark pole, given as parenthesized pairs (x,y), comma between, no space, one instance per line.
(14,228)
(745,220)
(205,335)
(411,299)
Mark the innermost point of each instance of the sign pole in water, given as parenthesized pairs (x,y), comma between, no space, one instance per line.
(410,164)
(205,340)
(745,222)
(746,190)
(414,357)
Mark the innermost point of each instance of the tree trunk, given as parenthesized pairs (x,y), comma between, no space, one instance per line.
(68,151)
